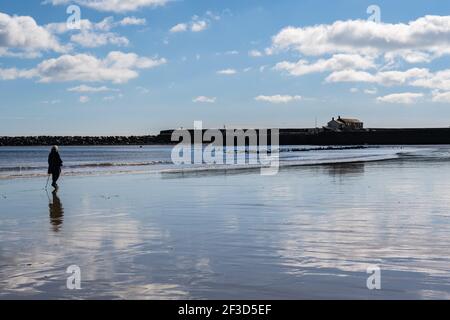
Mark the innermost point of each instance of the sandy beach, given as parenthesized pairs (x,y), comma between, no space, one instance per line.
(308,232)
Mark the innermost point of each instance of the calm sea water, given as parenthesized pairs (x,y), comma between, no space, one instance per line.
(308,232)
(32,161)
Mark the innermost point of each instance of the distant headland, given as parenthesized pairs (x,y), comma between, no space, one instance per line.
(339,131)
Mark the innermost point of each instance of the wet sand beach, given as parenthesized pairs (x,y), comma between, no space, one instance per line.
(309,232)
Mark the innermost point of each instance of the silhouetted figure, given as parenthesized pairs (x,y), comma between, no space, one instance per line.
(56,212)
(54,165)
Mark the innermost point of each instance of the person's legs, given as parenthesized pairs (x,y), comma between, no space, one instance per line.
(55,177)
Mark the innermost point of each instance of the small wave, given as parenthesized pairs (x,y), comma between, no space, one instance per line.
(22,168)
(282,164)
(85,165)
(117,164)
(269,150)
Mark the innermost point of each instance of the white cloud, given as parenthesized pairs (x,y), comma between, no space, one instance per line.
(199,26)
(22,33)
(438,80)
(356,46)
(94,40)
(427,35)
(227,72)
(401,98)
(93,35)
(277,99)
(14,73)
(387,78)
(336,62)
(354,90)
(255,53)
(132,21)
(371,91)
(416,77)
(84,99)
(441,97)
(409,56)
(196,24)
(26,54)
(181,27)
(88,89)
(61,27)
(116,67)
(203,99)
(104,25)
(351,76)
(118,6)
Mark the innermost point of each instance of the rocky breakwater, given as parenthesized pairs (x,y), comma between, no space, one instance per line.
(79,141)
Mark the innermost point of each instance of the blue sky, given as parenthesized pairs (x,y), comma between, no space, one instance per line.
(233,63)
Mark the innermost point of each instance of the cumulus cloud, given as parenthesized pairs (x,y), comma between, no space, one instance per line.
(387,78)
(14,73)
(227,72)
(203,99)
(441,97)
(117,6)
(336,62)
(369,52)
(438,80)
(196,24)
(401,98)
(415,77)
(104,25)
(96,34)
(116,67)
(132,21)
(21,36)
(278,99)
(181,27)
(428,34)
(93,40)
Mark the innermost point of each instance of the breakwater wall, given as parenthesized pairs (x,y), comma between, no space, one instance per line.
(323,137)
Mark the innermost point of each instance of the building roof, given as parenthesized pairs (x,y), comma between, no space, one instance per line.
(348,121)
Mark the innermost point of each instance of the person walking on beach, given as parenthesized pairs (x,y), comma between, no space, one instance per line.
(54,165)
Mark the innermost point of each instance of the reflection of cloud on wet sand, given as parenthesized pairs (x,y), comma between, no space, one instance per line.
(153,291)
(102,241)
(377,223)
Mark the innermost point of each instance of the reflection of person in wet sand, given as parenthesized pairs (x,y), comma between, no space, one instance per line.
(56,212)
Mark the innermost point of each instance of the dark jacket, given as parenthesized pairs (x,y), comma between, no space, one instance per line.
(54,162)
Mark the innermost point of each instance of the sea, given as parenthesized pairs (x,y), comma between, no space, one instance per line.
(16,162)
